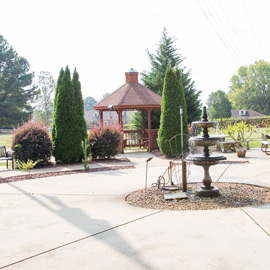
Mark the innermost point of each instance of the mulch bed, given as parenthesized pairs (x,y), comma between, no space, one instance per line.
(50,174)
(113,160)
(232,195)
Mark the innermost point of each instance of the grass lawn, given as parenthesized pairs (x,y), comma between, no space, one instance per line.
(5,139)
(257,135)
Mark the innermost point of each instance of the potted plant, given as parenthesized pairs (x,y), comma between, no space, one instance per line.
(240,133)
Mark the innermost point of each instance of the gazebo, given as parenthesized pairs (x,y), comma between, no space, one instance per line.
(135,97)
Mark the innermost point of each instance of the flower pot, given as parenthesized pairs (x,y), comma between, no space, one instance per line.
(241,152)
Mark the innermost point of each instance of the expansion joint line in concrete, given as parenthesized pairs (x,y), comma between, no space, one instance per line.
(79,240)
(255,222)
(223,172)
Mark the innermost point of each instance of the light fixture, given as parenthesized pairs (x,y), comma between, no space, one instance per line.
(146,171)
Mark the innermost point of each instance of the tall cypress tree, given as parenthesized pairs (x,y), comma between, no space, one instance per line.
(170,117)
(79,113)
(182,102)
(59,81)
(65,151)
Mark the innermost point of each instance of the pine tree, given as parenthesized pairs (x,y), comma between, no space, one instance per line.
(16,89)
(192,97)
(167,55)
(170,126)
(79,114)
(65,151)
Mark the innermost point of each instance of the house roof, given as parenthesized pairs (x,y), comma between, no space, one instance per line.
(131,95)
(245,113)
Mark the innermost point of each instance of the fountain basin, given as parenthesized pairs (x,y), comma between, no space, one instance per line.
(204,124)
(200,159)
(206,141)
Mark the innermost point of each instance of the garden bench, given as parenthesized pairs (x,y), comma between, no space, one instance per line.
(251,140)
(228,146)
(264,145)
(7,155)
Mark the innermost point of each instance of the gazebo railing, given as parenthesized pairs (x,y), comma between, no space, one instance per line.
(132,138)
(138,138)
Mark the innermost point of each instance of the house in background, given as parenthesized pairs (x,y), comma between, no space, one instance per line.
(245,113)
(109,117)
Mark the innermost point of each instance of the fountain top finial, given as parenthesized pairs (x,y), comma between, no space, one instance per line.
(204,114)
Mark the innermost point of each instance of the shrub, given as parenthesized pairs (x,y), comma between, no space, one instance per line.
(31,141)
(105,142)
(172,98)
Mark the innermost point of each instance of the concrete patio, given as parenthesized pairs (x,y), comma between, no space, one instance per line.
(82,221)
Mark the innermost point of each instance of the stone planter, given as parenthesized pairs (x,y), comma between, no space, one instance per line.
(241,152)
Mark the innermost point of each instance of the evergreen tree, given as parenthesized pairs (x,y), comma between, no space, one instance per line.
(65,151)
(172,98)
(79,114)
(192,97)
(59,82)
(167,55)
(16,89)
(182,102)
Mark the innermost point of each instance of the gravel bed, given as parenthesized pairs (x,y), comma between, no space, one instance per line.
(232,195)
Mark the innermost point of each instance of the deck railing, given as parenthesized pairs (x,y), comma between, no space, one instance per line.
(138,138)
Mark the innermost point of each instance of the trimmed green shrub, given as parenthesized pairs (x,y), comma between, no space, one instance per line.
(65,150)
(59,82)
(169,139)
(105,142)
(31,141)
(79,114)
(254,121)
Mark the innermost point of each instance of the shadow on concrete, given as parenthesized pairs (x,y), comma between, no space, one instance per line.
(79,219)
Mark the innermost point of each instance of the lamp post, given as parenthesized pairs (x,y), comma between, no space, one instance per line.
(184,176)
(146,171)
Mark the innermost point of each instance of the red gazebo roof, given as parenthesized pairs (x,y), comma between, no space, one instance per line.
(131,95)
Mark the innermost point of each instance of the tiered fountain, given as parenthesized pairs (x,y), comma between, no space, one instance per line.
(206,160)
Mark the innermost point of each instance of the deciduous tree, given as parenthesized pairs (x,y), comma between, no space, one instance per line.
(89,103)
(219,105)
(46,88)
(250,88)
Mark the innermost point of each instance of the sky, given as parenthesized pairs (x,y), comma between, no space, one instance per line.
(103,39)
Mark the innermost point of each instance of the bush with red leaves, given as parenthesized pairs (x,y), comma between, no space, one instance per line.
(105,142)
(32,141)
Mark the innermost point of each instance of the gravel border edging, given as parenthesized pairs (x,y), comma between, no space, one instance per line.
(232,195)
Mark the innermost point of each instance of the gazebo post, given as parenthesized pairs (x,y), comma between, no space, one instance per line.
(143,121)
(120,118)
(101,118)
(149,130)
(120,122)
